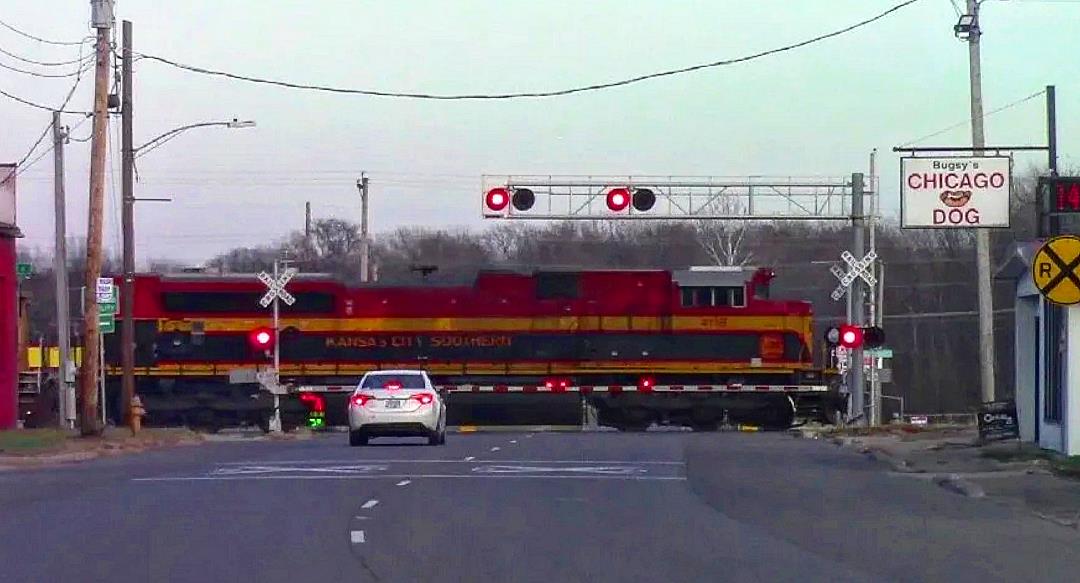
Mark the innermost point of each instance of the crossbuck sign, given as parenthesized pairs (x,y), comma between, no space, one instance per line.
(856,268)
(276,287)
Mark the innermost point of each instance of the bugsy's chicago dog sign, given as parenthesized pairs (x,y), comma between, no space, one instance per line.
(955,192)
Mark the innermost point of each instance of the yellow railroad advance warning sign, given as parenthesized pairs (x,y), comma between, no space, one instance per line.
(1056,270)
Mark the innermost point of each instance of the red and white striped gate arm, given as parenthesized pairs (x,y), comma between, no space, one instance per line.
(614,389)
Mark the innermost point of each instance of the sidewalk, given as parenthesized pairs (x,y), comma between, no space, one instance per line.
(1010,472)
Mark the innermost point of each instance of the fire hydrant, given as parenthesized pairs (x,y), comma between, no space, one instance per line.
(135,414)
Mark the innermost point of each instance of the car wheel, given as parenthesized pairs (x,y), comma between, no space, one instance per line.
(357,438)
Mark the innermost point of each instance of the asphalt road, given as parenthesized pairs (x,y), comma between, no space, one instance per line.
(507,507)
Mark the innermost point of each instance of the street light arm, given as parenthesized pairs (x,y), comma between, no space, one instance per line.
(139,151)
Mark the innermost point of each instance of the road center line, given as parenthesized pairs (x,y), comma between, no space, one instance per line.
(496,448)
(369,504)
(310,462)
(470,458)
(513,441)
(429,476)
(404,483)
(357,536)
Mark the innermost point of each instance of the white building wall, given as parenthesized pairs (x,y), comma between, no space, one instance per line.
(1071,413)
(1027,409)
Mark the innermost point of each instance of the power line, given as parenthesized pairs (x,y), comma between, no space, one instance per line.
(987,114)
(82,69)
(43,40)
(38,105)
(46,63)
(20,167)
(527,94)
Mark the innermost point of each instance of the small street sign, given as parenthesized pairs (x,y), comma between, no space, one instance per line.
(1055,270)
(105,290)
(879,352)
(107,306)
(276,288)
(24,270)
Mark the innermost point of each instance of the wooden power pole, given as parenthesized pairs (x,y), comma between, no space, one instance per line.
(102,19)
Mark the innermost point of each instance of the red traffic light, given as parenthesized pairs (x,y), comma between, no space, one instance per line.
(497,199)
(618,199)
(850,336)
(261,338)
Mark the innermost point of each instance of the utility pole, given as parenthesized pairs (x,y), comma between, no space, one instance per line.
(858,300)
(875,384)
(102,19)
(60,270)
(127,291)
(365,245)
(307,222)
(982,236)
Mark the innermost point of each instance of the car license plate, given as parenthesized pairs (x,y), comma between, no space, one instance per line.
(393,404)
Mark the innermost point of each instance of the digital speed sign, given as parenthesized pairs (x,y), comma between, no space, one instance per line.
(1062,194)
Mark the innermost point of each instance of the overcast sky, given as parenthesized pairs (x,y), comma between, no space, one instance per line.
(816,111)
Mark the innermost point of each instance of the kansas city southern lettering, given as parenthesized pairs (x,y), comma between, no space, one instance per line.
(442,341)
(470,341)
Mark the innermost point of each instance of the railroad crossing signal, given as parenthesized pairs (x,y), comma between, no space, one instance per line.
(856,268)
(1055,270)
(276,288)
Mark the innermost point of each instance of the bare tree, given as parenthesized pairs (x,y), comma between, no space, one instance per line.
(724,241)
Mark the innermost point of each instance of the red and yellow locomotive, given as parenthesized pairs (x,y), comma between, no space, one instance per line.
(690,347)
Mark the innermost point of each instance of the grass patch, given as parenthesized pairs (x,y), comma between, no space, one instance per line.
(1016,454)
(23,441)
(1067,466)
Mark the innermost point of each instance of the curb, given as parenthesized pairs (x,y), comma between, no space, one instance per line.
(61,458)
(1074,524)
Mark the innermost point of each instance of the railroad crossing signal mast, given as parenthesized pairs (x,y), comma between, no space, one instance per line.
(275,285)
(698,198)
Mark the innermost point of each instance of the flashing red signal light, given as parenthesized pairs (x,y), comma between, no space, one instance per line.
(618,199)
(261,339)
(646,384)
(497,199)
(850,336)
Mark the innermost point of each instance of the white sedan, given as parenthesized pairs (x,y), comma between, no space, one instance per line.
(397,403)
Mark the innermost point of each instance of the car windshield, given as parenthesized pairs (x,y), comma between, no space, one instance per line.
(393,381)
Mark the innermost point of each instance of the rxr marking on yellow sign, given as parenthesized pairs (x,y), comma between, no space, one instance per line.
(1055,269)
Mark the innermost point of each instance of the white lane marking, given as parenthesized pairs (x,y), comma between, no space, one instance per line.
(369,504)
(292,468)
(496,448)
(609,470)
(444,461)
(430,476)
(470,458)
(361,517)
(513,441)
(357,536)
(404,482)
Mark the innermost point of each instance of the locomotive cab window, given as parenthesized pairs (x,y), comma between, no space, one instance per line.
(713,297)
(558,286)
(242,302)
